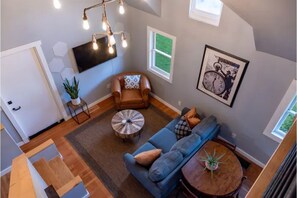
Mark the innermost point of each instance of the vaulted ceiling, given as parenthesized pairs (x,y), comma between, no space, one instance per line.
(273,22)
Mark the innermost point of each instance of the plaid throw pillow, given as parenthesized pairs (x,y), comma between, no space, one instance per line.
(132,81)
(182,128)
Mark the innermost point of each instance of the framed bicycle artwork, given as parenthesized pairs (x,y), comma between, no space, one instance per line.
(221,74)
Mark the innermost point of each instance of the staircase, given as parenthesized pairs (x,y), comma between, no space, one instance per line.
(45,175)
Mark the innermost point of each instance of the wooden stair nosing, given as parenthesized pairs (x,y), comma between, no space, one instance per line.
(47,173)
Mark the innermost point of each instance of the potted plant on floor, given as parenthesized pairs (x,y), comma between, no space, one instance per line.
(72,90)
(212,161)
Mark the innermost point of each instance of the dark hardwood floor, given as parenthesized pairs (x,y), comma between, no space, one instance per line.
(78,167)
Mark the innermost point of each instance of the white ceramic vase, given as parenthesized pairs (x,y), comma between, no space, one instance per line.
(75,101)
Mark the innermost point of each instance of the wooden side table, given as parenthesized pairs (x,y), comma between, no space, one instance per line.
(83,106)
(225,180)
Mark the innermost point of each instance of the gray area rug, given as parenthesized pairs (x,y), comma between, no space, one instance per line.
(97,144)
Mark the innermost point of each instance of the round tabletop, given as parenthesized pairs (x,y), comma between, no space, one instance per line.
(127,123)
(226,179)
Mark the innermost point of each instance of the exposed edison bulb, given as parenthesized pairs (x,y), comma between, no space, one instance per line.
(121,9)
(104,24)
(111,39)
(110,49)
(86,24)
(95,46)
(57,4)
(94,41)
(124,40)
(124,43)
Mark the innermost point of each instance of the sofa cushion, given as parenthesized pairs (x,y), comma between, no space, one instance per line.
(206,126)
(132,81)
(187,144)
(165,165)
(172,124)
(146,158)
(182,128)
(164,140)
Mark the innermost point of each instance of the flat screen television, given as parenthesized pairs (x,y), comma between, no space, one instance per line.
(86,57)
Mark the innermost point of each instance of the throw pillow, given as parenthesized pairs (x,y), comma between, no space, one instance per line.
(192,117)
(182,128)
(164,165)
(191,113)
(132,81)
(187,144)
(193,122)
(146,158)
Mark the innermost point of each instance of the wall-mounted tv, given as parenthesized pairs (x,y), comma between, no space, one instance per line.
(86,57)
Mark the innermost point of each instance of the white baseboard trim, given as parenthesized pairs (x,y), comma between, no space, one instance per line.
(5,171)
(245,154)
(92,104)
(20,143)
(166,103)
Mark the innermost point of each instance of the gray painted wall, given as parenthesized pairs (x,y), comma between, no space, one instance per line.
(273,22)
(23,22)
(9,150)
(263,86)
(10,128)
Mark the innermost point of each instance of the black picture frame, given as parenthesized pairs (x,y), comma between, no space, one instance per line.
(221,74)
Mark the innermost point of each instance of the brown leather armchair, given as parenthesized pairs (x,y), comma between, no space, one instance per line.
(130,98)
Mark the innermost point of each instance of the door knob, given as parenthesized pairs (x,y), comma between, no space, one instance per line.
(16,109)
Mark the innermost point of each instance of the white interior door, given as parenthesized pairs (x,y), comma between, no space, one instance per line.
(26,93)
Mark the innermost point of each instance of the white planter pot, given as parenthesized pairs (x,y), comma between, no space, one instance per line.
(75,101)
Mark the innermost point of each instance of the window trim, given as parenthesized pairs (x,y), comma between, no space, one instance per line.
(205,17)
(280,111)
(151,51)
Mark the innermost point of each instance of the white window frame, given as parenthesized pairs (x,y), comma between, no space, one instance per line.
(280,112)
(206,17)
(151,51)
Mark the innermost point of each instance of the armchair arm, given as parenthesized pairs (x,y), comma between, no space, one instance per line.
(145,85)
(116,88)
(116,92)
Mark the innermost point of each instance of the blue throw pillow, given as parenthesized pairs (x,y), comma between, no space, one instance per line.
(187,144)
(205,127)
(164,165)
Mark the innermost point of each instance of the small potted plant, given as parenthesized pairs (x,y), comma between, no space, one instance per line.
(212,161)
(72,90)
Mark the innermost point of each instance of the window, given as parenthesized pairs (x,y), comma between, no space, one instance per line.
(161,47)
(283,117)
(207,11)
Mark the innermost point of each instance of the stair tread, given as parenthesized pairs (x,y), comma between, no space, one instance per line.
(61,170)
(47,173)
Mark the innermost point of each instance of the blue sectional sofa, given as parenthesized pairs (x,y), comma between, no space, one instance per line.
(165,139)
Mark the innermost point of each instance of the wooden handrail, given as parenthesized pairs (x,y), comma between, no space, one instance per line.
(21,183)
(39,148)
(273,164)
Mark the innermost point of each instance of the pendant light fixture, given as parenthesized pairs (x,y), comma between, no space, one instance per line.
(105,25)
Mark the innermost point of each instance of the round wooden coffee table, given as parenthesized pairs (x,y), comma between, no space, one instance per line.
(225,180)
(127,123)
